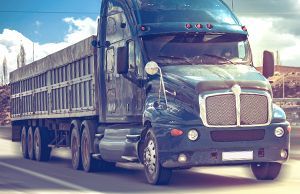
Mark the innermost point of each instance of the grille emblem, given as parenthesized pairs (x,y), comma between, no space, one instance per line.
(236,89)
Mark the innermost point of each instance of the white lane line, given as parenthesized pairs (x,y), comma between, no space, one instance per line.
(50,179)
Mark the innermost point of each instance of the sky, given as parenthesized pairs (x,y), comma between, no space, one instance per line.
(51,25)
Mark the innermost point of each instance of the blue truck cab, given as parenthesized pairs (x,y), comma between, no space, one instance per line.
(205,103)
(174,87)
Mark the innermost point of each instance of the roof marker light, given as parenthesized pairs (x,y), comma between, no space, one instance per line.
(209,26)
(188,26)
(244,28)
(199,26)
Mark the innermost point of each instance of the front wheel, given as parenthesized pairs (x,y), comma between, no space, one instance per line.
(155,173)
(266,171)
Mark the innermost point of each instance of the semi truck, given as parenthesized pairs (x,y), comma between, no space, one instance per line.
(168,84)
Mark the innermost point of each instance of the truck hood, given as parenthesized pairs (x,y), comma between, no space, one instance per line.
(204,78)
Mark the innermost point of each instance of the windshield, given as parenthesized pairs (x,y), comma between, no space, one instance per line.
(183,49)
(159,11)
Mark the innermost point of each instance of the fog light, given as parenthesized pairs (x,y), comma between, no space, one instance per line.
(193,135)
(279,132)
(182,158)
(284,154)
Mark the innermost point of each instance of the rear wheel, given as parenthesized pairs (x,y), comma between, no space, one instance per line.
(24,146)
(41,150)
(30,143)
(75,149)
(155,173)
(266,171)
(89,164)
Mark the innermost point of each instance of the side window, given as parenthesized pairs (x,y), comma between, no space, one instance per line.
(131,55)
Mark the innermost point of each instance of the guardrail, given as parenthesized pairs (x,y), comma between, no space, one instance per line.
(292,108)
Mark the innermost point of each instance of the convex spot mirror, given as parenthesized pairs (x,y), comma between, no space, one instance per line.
(268,64)
(151,68)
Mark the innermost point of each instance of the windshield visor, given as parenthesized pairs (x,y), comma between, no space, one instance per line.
(160,11)
(197,49)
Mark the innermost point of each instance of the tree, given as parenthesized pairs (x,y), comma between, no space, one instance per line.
(4,76)
(22,56)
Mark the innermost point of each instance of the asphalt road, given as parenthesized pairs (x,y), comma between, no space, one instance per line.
(18,175)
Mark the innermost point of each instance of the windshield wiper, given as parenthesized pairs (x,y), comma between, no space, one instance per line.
(173,57)
(219,57)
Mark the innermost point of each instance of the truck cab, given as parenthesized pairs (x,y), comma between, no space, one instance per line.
(190,77)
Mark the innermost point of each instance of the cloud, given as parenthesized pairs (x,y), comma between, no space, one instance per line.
(10,41)
(273,25)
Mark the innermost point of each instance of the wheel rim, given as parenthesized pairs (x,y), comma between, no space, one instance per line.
(150,157)
(74,150)
(37,143)
(85,149)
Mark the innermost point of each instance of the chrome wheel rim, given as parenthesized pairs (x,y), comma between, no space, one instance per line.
(150,157)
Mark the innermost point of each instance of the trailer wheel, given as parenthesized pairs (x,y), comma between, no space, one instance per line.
(155,173)
(30,143)
(41,150)
(24,146)
(89,164)
(75,149)
(266,171)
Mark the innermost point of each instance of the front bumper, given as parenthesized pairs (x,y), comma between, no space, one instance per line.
(206,151)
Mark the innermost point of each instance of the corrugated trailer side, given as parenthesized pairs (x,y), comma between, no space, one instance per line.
(61,85)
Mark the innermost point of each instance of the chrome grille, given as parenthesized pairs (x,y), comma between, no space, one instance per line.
(254,109)
(235,109)
(221,110)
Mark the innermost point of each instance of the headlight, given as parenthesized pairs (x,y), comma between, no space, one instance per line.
(279,132)
(193,135)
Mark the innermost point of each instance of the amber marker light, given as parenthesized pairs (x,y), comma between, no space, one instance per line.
(176,132)
(244,28)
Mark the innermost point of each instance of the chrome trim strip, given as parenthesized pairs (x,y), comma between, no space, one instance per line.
(202,105)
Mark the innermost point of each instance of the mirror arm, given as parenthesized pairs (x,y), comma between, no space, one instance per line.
(162,87)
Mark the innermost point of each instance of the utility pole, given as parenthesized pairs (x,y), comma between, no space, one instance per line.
(232,4)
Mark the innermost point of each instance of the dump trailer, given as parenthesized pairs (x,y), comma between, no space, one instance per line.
(169,84)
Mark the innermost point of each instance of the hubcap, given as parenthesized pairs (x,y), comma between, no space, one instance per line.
(150,157)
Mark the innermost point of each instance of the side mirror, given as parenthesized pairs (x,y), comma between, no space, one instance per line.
(95,44)
(151,68)
(122,60)
(268,64)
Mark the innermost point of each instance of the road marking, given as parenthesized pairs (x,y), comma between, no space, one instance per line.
(50,179)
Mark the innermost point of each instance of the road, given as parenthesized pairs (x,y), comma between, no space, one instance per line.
(18,175)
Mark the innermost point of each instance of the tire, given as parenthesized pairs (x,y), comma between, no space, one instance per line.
(75,149)
(266,171)
(155,173)
(30,144)
(24,146)
(41,139)
(89,164)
